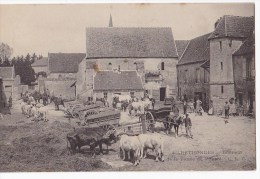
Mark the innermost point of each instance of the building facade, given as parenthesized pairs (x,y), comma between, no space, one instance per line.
(244,75)
(40,65)
(193,75)
(149,51)
(61,74)
(229,34)
(9,84)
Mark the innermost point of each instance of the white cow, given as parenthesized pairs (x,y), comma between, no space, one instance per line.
(42,113)
(154,142)
(130,143)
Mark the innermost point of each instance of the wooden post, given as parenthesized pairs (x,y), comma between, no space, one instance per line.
(143,119)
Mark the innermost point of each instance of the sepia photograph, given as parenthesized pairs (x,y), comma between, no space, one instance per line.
(127,87)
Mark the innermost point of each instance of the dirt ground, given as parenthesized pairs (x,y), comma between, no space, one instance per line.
(30,146)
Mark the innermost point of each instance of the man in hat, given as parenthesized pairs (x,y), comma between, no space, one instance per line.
(175,110)
(226,108)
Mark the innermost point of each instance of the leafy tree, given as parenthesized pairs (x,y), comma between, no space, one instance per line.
(5,52)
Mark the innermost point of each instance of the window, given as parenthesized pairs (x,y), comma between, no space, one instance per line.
(249,67)
(109,63)
(162,66)
(132,94)
(222,89)
(185,76)
(221,65)
(105,95)
(31,87)
(206,76)
(220,45)
(230,43)
(197,77)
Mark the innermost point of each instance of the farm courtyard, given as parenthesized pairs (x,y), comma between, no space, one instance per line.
(41,146)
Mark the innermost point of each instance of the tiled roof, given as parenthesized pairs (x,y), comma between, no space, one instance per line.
(247,47)
(7,72)
(234,26)
(181,46)
(111,80)
(40,62)
(65,62)
(197,50)
(113,42)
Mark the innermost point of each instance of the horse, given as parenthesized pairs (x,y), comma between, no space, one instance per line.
(57,101)
(175,121)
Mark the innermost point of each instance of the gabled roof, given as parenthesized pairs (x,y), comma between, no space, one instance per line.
(43,62)
(118,42)
(198,50)
(112,80)
(234,26)
(65,62)
(247,47)
(181,46)
(7,72)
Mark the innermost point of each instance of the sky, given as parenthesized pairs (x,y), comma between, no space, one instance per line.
(61,28)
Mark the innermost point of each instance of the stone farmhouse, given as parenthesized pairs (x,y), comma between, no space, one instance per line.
(213,64)
(151,52)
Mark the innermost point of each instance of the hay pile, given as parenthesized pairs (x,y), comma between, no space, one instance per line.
(41,147)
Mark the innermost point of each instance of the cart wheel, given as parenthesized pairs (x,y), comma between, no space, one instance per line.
(149,121)
(90,112)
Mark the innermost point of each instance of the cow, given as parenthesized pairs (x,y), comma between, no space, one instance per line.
(42,113)
(154,142)
(128,144)
(92,137)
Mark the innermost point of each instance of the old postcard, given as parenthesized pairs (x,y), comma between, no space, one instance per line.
(127,87)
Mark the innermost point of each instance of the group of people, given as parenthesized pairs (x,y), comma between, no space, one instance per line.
(186,120)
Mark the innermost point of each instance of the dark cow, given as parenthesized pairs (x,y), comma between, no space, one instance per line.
(57,101)
(92,137)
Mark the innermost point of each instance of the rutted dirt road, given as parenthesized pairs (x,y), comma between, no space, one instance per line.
(30,146)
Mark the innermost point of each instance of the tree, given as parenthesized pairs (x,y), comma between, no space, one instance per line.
(5,52)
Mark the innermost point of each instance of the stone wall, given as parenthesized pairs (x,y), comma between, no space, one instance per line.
(244,85)
(62,87)
(187,84)
(221,70)
(169,74)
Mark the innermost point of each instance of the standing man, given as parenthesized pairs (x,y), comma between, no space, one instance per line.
(188,125)
(226,108)
(198,105)
(10,101)
(48,96)
(175,110)
(184,106)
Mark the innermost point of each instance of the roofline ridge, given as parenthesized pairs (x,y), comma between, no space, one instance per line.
(184,50)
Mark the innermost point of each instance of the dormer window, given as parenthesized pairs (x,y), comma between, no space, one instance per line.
(230,43)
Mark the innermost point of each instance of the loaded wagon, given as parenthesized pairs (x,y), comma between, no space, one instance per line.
(159,115)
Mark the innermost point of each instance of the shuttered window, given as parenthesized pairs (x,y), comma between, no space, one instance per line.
(244,68)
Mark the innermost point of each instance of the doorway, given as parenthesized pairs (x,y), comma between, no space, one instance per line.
(162,94)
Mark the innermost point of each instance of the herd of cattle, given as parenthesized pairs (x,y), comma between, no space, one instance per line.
(132,147)
(135,106)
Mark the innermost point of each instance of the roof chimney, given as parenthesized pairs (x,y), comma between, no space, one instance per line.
(216,23)
(110,21)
